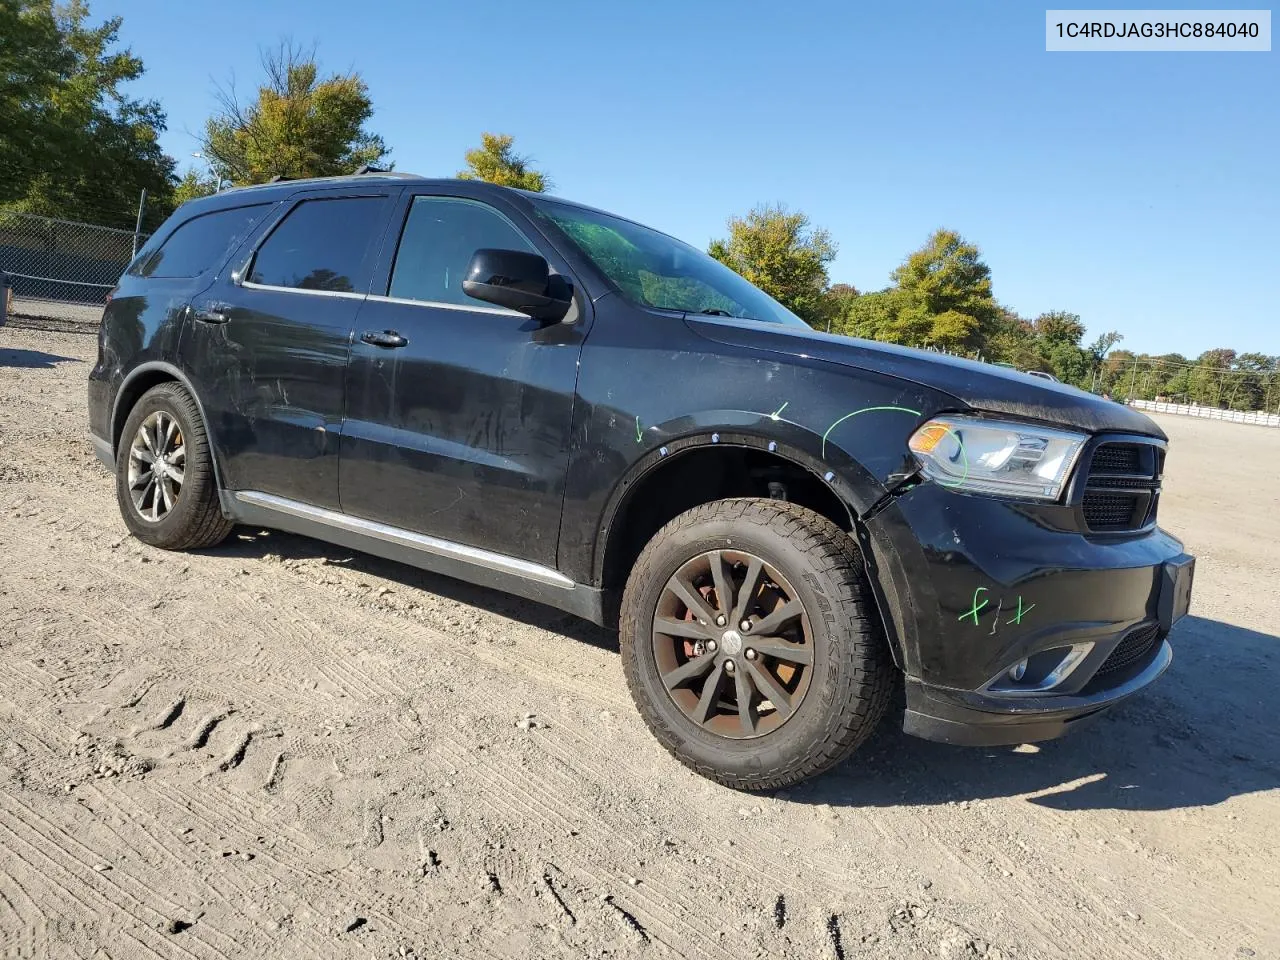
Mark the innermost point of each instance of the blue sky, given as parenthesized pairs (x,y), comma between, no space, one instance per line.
(1141,191)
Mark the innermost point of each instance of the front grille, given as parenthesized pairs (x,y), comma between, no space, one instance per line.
(1123,458)
(1122,486)
(1136,645)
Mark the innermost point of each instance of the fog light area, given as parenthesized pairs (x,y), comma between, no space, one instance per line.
(1041,672)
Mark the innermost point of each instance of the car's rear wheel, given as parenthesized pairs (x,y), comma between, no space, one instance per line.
(752,645)
(165,483)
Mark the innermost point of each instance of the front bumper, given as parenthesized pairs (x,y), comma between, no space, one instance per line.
(976,720)
(971,586)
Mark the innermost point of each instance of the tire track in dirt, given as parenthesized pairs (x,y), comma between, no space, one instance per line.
(85,891)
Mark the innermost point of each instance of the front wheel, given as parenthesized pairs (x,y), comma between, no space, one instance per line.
(751,643)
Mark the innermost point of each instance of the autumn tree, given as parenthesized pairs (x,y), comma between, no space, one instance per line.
(784,255)
(495,161)
(300,123)
(73,142)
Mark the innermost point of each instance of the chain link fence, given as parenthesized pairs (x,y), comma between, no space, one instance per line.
(62,269)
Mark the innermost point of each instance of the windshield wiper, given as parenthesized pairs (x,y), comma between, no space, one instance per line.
(715,312)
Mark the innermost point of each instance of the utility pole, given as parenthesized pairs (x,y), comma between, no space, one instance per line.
(137,228)
(1133,377)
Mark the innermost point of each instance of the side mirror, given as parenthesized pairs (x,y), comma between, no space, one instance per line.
(518,281)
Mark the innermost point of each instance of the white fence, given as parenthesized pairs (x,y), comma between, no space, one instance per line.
(1209,413)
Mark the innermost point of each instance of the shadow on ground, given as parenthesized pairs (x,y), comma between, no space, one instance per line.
(32,359)
(1202,734)
(251,544)
(57,318)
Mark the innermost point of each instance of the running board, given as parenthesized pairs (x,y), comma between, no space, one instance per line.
(532,581)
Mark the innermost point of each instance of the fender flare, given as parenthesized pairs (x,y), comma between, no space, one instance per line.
(851,484)
(118,416)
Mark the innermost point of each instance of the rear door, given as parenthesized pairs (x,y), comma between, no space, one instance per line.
(458,412)
(268,343)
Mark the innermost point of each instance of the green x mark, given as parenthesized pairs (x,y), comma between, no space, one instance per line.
(1017,617)
(977,607)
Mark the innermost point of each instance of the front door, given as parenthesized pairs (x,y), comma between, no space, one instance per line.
(268,348)
(458,413)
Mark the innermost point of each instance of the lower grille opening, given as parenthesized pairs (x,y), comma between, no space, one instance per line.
(1110,511)
(1136,645)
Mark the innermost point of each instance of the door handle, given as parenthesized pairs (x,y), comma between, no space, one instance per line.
(211,316)
(383,338)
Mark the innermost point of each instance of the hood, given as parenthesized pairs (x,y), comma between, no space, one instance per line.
(980,386)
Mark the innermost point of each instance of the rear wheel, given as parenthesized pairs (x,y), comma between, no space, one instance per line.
(751,643)
(164,473)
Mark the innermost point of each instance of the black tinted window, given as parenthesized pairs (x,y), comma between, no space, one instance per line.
(201,243)
(321,245)
(439,239)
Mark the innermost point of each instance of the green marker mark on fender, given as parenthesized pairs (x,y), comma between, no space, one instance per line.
(639,434)
(777,413)
(977,607)
(847,416)
(1022,611)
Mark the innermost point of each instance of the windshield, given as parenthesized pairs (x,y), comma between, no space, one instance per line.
(659,271)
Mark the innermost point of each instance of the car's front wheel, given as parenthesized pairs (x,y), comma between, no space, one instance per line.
(752,645)
(164,473)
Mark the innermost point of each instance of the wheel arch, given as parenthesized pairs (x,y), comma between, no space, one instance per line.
(699,468)
(144,377)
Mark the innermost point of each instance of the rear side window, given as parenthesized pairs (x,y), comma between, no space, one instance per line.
(321,245)
(440,236)
(201,243)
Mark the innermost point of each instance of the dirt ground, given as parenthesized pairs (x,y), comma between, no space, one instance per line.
(282,748)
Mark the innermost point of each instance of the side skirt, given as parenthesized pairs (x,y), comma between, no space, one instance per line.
(482,567)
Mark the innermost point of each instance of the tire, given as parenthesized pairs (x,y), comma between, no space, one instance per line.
(191,518)
(850,676)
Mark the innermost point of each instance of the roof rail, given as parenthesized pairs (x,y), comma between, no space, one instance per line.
(370,169)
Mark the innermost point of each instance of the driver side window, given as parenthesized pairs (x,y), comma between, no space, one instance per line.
(440,236)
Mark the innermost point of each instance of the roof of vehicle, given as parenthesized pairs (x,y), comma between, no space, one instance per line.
(279,189)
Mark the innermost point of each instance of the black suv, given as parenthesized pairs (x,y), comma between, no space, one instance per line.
(562,404)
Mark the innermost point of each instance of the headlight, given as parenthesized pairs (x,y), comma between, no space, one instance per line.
(994,456)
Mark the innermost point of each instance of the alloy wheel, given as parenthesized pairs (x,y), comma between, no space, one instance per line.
(733,644)
(157,466)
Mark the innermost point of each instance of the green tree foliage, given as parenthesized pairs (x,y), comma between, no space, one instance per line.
(1217,378)
(300,124)
(495,161)
(941,298)
(782,254)
(192,186)
(73,143)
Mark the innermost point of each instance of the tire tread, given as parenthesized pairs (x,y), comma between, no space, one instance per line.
(203,525)
(866,673)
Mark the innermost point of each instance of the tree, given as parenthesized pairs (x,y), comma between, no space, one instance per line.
(192,186)
(299,125)
(947,293)
(73,143)
(1013,340)
(782,254)
(837,304)
(495,161)
(941,298)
